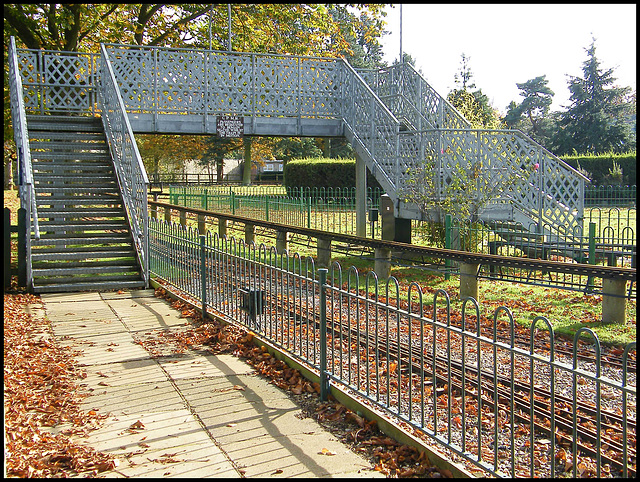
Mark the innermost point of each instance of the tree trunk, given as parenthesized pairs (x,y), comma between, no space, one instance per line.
(8,173)
(246,173)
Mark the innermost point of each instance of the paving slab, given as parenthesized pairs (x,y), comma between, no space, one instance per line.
(185,415)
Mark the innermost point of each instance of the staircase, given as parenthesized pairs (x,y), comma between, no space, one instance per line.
(547,198)
(85,241)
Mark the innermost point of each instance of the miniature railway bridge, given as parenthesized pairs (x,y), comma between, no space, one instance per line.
(85,188)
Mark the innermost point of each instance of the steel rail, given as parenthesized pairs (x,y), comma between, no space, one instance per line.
(605,272)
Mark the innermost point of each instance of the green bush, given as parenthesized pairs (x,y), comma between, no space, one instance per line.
(325,173)
(599,167)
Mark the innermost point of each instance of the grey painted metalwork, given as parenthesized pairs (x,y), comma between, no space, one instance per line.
(21,137)
(278,94)
(372,334)
(132,176)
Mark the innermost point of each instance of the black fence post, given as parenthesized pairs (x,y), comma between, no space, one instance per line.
(7,248)
(22,247)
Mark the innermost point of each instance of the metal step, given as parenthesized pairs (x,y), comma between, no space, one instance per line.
(53,136)
(66,168)
(43,183)
(71,242)
(76,200)
(70,156)
(75,191)
(89,286)
(77,227)
(83,269)
(68,144)
(63,123)
(73,213)
(55,256)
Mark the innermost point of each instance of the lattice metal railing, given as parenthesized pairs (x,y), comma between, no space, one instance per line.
(58,81)
(551,193)
(412,99)
(182,81)
(129,168)
(21,137)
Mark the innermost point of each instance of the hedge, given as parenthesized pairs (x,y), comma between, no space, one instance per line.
(598,166)
(321,172)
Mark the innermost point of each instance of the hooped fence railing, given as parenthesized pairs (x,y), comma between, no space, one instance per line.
(505,400)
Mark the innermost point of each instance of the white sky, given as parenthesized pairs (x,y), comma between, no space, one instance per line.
(513,43)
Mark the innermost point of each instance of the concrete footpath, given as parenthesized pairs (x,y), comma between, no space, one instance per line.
(185,415)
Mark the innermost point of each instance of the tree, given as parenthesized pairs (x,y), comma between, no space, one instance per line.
(474,106)
(463,78)
(168,153)
(596,121)
(288,148)
(531,115)
(216,150)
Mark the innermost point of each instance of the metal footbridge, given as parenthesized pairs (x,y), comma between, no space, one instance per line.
(392,117)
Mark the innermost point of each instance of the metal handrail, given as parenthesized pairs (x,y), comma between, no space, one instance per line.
(21,137)
(132,176)
(365,131)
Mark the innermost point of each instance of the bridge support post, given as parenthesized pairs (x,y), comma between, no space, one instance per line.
(469,280)
(282,241)
(222,227)
(614,301)
(250,233)
(361,197)
(202,224)
(382,264)
(154,208)
(183,218)
(393,229)
(324,252)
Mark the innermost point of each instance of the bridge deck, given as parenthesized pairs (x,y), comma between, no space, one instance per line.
(253,125)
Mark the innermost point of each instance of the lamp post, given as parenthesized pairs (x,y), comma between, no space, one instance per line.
(229,17)
(400,61)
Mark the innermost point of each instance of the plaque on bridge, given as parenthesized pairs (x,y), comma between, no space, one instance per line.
(230,126)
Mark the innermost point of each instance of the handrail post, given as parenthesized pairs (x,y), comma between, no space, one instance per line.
(203,275)
(324,377)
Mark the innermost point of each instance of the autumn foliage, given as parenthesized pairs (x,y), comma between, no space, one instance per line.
(42,399)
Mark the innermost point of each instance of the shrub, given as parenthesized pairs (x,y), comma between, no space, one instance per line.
(325,173)
(601,167)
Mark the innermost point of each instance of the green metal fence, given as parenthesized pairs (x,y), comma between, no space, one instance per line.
(511,404)
(618,196)
(331,209)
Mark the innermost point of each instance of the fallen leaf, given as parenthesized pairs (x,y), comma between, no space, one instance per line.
(136,425)
(279,471)
(326,452)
